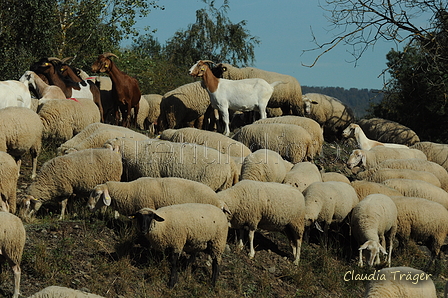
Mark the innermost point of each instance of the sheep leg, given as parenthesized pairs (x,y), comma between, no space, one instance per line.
(19,163)
(251,243)
(360,262)
(17,272)
(173,275)
(240,240)
(34,154)
(215,271)
(63,208)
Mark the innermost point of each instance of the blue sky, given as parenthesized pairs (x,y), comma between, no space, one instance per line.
(284,30)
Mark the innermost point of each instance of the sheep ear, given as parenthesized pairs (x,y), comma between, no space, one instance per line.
(383,250)
(363,159)
(158,218)
(318,227)
(314,102)
(364,246)
(106,198)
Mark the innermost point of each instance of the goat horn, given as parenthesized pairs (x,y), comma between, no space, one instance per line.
(66,59)
(109,54)
(54,59)
(210,61)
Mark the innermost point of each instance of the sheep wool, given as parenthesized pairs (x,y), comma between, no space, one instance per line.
(62,292)
(12,240)
(153,101)
(266,205)
(265,165)
(334,176)
(302,175)
(8,182)
(379,175)
(435,152)
(364,188)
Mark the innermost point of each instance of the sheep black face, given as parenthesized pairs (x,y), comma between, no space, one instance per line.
(144,219)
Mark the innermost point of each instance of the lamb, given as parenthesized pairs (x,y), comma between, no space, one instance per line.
(371,158)
(266,205)
(64,118)
(12,239)
(381,174)
(420,189)
(129,197)
(310,125)
(156,158)
(416,220)
(14,94)
(334,176)
(373,219)
(95,135)
(62,292)
(210,139)
(190,227)
(364,188)
(388,131)
(329,112)
(8,182)
(401,282)
(292,142)
(364,143)
(302,175)
(265,165)
(435,152)
(75,173)
(21,131)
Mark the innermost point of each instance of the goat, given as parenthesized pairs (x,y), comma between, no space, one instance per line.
(14,94)
(364,143)
(238,95)
(125,90)
(43,91)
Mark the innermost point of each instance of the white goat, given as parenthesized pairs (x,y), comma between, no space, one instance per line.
(364,143)
(238,95)
(14,94)
(44,91)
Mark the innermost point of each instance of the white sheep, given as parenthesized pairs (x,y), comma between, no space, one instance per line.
(388,131)
(371,158)
(153,101)
(210,139)
(422,220)
(292,142)
(129,197)
(62,292)
(64,118)
(334,176)
(237,95)
(157,158)
(288,96)
(372,220)
(364,143)
(265,165)
(95,135)
(329,112)
(302,175)
(189,227)
(266,205)
(435,152)
(310,125)
(14,94)
(12,239)
(21,131)
(419,189)
(75,173)
(396,282)
(44,91)
(381,174)
(8,182)
(364,188)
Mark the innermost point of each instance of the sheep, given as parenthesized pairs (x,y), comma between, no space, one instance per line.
(189,227)
(95,135)
(75,173)
(400,282)
(62,292)
(310,125)
(302,175)
(14,94)
(435,152)
(388,131)
(12,239)
(364,143)
(334,176)
(419,165)
(129,197)
(292,142)
(183,106)
(420,189)
(371,158)
(237,95)
(43,91)
(364,188)
(8,182)
(265,165)
(210,139)
(372,220)
(156,158)
(64,118)
(381,174)
(422,220)
(266,205)
(153,101)
(288,96)
(329,112)
(21,130)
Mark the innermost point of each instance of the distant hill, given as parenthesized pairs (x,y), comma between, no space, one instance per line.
(357,99)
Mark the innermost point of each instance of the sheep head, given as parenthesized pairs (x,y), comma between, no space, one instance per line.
(375,248)
(99,196)
(357,157)
(145,219)
(103,63)
(308,102)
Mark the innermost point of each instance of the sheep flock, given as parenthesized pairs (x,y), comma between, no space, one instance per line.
(192,200)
